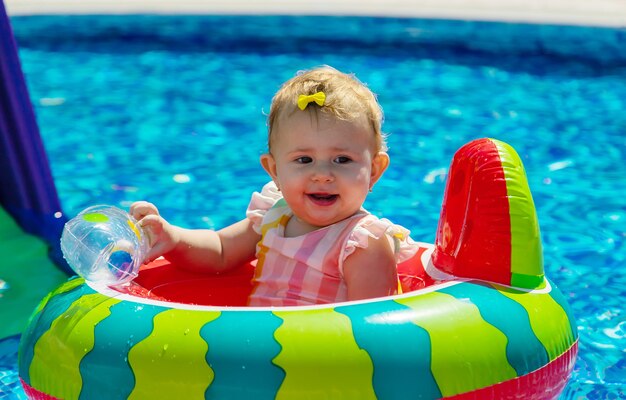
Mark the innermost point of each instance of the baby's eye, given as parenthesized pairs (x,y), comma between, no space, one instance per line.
(304,160)
(342,160)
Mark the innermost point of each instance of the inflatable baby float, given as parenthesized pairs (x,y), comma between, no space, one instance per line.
(477,318)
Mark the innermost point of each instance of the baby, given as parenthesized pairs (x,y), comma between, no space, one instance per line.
(313,240)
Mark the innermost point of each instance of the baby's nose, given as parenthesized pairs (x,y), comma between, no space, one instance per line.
(322,173)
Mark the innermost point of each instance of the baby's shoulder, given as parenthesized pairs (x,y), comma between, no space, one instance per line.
(380,236)
(269,198)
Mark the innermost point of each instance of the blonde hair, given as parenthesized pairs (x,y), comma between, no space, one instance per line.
(347,99)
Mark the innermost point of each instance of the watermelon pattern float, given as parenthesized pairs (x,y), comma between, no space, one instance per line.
(477,319)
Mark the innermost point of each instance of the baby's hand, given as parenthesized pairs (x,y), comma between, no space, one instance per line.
(161,235)
(141,209)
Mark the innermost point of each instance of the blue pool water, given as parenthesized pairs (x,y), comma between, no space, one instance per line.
(172,109)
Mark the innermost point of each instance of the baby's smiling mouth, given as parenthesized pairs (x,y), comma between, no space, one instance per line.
(322,198)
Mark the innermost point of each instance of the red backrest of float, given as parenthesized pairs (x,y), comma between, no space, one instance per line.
(164,281)
(474,233)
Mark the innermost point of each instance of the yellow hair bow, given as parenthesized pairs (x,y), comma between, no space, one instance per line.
(304,100)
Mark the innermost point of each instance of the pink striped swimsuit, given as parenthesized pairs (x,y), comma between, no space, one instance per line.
(308,269)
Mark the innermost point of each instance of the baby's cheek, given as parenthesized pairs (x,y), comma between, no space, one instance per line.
(364,174)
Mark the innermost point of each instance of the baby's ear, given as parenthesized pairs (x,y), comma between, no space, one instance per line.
(269,165)
(379,165)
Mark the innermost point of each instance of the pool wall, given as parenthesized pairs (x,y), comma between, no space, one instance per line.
(600,44)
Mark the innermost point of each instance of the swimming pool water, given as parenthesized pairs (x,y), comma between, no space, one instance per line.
(172,110)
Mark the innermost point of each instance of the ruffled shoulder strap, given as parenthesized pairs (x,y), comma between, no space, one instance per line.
(373,227)
(260,203)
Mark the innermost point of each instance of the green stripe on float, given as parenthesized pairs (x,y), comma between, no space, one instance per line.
(64,288)
(241,350)
(467,352)
(526,251)
(322,341)
(59,351)
(547,319)
(53,305)
(399,349)
(524,351)
(528,281)
(560,299)
(170,363)
(107,362)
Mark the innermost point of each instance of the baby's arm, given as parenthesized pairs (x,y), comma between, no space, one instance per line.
(371,272)
(200,250)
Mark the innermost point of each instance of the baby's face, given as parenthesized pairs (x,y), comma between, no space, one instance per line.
(324,167)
